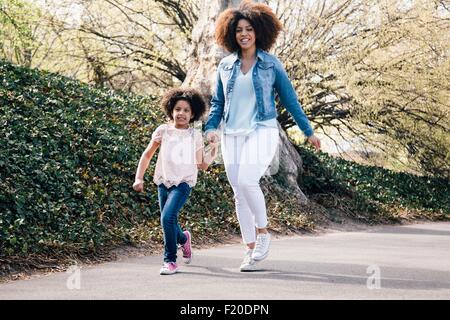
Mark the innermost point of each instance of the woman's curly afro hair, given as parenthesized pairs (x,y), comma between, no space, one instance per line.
(263,20)
(191,96)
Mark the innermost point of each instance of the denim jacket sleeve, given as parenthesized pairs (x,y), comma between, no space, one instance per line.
(217,105)
(289,99)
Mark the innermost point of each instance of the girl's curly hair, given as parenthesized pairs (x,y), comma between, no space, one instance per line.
(263,20)
(191,96)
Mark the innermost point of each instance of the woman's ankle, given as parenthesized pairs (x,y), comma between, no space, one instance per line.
(262,230)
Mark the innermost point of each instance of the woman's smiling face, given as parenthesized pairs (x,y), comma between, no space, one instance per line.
(245,35)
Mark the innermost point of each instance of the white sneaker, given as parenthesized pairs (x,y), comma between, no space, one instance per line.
(248,264)
(168,268)
(262,247)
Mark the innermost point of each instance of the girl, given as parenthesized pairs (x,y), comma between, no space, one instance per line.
(180,157)
(244,103)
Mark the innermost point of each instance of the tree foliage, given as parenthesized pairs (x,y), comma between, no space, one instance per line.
(138,46)
(18,21)
(364,69)
(375,71)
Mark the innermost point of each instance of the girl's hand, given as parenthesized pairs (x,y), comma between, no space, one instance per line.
(214,148)
(208,155)
(138,185)
(314,141)
(212,137)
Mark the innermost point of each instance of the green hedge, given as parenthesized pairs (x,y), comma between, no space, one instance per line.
(68,157)
(371,185)
(67,163)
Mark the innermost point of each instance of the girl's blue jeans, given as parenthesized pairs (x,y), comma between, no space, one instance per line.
(171,200)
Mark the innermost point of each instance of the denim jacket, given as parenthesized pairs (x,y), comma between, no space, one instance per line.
(268,75)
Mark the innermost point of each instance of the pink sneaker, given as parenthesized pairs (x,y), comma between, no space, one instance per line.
(186,248)
(168,268)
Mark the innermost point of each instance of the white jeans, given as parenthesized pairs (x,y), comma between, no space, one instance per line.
(246,158)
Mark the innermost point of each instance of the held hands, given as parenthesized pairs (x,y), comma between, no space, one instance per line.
(212,138)
(138,185)
(314,141)
(213,142)
(210,152)
(209,155)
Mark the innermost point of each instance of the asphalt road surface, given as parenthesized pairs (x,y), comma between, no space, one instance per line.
(384,262)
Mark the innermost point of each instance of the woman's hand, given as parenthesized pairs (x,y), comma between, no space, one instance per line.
(212,137)
(138,185)
(314,141)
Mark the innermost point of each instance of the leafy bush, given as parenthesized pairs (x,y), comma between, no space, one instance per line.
(68,161)
(371,185)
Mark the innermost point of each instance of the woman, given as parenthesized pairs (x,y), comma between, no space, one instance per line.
(244,105)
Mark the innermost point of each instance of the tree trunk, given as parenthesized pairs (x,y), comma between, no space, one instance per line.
(205,55)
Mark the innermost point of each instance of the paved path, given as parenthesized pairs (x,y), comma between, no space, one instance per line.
(413,262)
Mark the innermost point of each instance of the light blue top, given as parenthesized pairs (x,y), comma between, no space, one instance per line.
(269,77)
(242,118)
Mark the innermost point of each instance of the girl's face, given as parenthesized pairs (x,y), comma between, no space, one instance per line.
(245,35)
(182,114)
